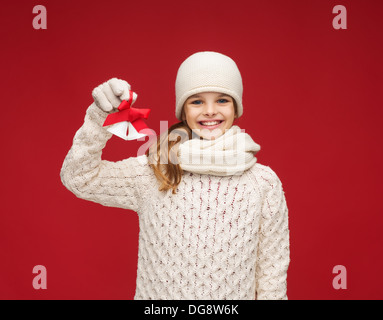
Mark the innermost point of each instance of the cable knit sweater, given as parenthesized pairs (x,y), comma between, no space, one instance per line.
(217,238)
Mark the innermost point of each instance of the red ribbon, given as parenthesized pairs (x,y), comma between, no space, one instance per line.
(128,113)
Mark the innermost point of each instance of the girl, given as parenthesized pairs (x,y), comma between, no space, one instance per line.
(213,221)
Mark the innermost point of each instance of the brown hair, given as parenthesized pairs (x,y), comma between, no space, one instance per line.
(163,158)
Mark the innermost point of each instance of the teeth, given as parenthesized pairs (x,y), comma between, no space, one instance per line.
(210,123)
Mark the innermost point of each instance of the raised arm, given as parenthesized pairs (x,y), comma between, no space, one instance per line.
(115,184)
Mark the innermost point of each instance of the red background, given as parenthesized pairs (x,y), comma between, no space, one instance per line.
(312,100)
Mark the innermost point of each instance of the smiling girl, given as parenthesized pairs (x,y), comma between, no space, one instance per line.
(202,112)
(213,221)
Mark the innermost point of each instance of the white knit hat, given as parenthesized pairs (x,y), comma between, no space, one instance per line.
(208,71)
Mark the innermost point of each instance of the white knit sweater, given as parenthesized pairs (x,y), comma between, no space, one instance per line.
(217,238)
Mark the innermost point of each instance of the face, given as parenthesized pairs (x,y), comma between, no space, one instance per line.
(209,114)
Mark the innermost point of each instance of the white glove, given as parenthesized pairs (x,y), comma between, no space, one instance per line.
(109,95)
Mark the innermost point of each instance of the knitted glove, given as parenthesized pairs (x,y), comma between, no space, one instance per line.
(108,96)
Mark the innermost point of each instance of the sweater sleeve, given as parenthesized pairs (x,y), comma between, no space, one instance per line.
(114,184)
(273,250)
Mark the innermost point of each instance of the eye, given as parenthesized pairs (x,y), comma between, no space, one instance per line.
(196,102)
(223,101)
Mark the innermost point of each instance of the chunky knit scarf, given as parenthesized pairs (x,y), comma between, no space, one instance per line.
(230,154)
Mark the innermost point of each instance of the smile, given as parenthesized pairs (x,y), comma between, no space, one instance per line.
(210,123)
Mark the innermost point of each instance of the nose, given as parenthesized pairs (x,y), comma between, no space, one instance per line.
(210,109)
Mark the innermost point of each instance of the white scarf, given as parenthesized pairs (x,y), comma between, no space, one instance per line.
(230,154)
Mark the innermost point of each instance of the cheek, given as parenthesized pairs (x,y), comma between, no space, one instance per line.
(230,115)
(191,116)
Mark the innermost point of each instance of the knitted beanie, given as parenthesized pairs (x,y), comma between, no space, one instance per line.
(208,71)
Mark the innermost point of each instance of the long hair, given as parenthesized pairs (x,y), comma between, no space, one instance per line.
(163,159)
(163,155)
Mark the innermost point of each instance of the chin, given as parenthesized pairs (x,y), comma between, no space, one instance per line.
(207,134)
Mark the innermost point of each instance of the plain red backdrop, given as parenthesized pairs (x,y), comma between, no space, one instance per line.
(312,100)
